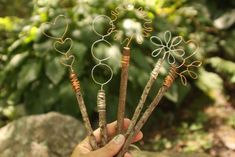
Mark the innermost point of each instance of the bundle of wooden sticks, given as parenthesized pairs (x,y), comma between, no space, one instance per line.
(174,54)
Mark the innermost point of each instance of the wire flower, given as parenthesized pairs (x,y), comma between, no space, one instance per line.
(170,47)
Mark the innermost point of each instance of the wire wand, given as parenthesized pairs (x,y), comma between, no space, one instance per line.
(153,77)
(76,87)
(166,85)
(123,89)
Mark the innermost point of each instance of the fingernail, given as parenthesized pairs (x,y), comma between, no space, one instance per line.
(119,139)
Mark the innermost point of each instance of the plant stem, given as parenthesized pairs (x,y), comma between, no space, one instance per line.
(76,87)
(101,105)
(166,85)
(144,96)
(123,89)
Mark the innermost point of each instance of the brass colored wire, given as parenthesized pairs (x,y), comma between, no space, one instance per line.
(147,22)
(68,61)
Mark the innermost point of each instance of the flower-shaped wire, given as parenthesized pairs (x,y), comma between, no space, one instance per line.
(169,47)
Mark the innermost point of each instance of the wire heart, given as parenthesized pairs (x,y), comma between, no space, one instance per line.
(63,46)
(68,61)
(48,26)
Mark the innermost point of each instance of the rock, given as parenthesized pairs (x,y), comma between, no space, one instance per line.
(167,154)
(227,136)
(53,135)
(48,135)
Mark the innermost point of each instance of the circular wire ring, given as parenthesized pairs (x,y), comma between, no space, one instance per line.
(94,22)
(93,53)
(93,76)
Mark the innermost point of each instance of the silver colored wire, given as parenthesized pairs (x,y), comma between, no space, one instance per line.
(173,52)
(100,60)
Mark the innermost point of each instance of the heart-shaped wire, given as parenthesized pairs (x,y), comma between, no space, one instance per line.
(68,61)
(62,43)
(51,24)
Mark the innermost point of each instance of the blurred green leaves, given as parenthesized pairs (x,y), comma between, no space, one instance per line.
(31,74)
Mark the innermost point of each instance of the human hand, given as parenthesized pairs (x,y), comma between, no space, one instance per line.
(84,149)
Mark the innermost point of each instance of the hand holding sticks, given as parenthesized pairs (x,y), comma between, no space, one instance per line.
(166,85)
(172,51)
(144,95)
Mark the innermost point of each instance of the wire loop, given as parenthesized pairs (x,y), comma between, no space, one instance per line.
(97,42)
(146,29)
(61,45)
(174,51)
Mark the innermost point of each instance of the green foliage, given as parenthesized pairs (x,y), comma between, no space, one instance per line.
(31,76)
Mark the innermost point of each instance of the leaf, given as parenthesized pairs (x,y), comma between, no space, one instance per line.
(223,66)
(177,93)
(16,60)
(210,83)
(29,72)
(54,70)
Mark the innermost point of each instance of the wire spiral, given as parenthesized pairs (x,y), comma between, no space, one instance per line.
(141,13)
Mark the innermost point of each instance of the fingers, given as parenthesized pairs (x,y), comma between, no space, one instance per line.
(111,149)
(138,137)
(111,129)
(127,155)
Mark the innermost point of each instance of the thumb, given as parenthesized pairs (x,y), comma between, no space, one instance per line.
(112,148)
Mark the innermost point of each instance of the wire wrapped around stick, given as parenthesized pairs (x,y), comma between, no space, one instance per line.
(76,87)
(153,77)
(166,85)
(123,89)
(101,105)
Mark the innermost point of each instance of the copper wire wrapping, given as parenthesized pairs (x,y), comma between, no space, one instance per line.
(170,77)
(125,60)
(74,82)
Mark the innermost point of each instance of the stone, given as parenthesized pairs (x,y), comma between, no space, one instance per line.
(48,135)
(167,154)
(227,136)
(53,135)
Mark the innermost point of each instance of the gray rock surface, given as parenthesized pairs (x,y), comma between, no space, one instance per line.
(167,154)
(53,135)
(48,135)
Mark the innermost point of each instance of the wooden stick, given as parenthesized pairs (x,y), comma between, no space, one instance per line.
(123,89)
(166,85)
(76,87)
(101,105)
(152,78)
